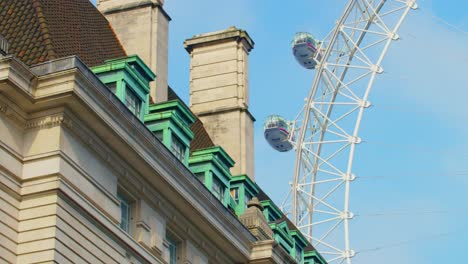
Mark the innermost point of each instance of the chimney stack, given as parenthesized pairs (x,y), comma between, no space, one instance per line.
(142,27)
(219,92)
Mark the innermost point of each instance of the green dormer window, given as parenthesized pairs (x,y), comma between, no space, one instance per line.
(214,164)
(170,122)
(128,78)
(245,189)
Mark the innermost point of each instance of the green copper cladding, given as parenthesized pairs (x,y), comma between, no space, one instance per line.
(313,257)
(211,166)
(245,189)
(291,240)
(129,79)
(300,243)
(271,211)
(170,121)
(283,236)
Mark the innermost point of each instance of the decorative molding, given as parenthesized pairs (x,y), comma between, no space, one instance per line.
(12,115)
(49,121)
(143,225)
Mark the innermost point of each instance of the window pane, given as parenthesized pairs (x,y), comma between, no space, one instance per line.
(159,135)
(125,213)
(218,189)
(247,199)
(200,176)
(112,86)
(178,148)
(298,254)
(172,251)
(132,102)
(235,194)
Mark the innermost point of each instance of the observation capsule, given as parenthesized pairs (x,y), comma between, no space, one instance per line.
(305,47)
(276,131)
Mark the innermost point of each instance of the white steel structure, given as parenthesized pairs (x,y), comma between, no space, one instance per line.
(326,131)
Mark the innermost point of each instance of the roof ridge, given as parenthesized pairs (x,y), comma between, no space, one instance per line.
(44,27)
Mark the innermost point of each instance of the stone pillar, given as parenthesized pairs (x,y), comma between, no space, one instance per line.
(255,221)
(219,92)
(143,29)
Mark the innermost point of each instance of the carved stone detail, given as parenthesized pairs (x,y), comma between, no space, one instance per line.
(49,121)
(255,221)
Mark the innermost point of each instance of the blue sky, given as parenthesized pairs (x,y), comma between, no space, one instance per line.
(416,147)
(411,200)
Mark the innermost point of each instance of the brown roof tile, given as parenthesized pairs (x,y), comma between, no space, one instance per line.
(41,30)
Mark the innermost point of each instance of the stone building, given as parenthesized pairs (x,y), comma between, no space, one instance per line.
(101,162)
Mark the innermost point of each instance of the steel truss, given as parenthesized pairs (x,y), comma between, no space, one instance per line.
(326,131)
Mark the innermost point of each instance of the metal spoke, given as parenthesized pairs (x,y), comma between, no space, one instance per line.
(326,131)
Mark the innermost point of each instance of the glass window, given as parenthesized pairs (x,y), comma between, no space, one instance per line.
(159,135)
(133,102)
(125,212)
(235,194)
(178,148)
(247,199)
(172,250)
(200,176)
(113,87)
(298,254)
(218,189)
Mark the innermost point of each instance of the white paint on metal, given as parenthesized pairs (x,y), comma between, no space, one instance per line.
(326,131)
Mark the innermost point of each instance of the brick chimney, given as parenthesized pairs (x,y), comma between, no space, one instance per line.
(143,29)
(219,92)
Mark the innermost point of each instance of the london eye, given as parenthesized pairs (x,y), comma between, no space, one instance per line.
(325,133)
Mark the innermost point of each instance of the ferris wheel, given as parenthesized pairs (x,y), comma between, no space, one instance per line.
(326,132)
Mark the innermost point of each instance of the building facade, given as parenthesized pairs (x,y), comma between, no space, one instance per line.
(100,163)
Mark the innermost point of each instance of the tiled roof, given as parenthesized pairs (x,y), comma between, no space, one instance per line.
(42,30)
(201,138)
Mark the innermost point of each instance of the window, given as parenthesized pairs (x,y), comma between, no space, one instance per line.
(125,212)
(218,189)
(247,199)
(159,135)
(298,254)
(178,148)
(200,176)
(172,246)
(235,194)
(113,87)
(133,102)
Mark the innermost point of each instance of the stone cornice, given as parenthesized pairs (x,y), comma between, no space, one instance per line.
(8,111)
(122,5)
(91,111)
(226,110)
(15,72)
(48,121)
(211,38)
